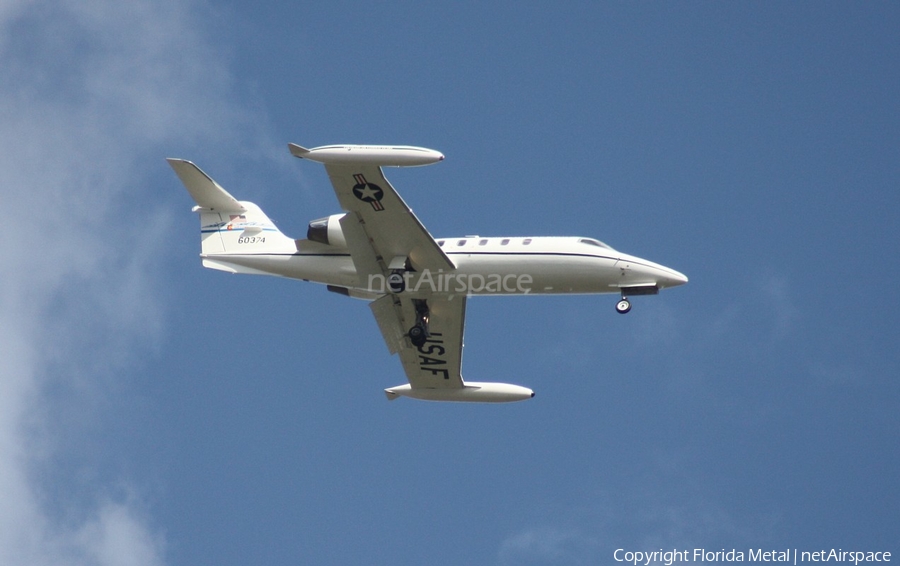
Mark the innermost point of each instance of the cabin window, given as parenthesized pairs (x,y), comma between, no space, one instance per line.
(482,243)
(504,242)
(526,241)
(461,243)
(441,243)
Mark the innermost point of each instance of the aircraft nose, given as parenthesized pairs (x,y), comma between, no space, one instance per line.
(639,271)
(672,278)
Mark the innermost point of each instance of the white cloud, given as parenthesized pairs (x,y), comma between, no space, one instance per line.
(88,89)
(116,536)
(648,516)
(547,545)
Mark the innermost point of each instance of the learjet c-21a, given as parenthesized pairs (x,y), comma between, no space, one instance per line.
(417,286)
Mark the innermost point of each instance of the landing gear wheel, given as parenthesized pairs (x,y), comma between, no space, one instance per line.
(396,282)
(623,306)
(417,336)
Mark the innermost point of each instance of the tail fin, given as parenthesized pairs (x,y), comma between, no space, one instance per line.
(228,226)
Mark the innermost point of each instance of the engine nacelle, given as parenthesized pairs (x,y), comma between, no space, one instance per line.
(327,231)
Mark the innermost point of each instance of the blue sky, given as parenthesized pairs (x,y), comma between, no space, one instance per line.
(155,413)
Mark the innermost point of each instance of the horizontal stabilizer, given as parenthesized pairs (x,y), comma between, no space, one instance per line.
(205,192)
(298,151)
(230,267)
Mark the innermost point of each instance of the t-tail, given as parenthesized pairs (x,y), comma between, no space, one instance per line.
(228,227)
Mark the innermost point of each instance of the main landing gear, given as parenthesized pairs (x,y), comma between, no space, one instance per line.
(396,281)
(418,334)
(623,306)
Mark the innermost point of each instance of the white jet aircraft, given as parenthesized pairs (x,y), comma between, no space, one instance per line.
(418,286)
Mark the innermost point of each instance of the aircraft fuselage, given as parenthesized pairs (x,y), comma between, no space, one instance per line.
(484,266)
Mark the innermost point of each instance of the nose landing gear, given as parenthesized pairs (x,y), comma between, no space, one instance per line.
(623,306)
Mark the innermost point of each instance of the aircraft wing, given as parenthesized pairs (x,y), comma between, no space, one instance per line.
(383,234)
(437,363)
(381,230)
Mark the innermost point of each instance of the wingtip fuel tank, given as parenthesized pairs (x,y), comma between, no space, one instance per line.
(471,392)
(382,155)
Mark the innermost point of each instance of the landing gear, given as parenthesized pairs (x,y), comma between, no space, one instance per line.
(623,306)
(418,334)
(396,281)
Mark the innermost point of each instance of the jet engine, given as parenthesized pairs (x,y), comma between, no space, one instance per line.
(327,231)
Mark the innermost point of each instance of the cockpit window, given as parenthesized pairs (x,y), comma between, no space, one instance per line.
(597,243)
